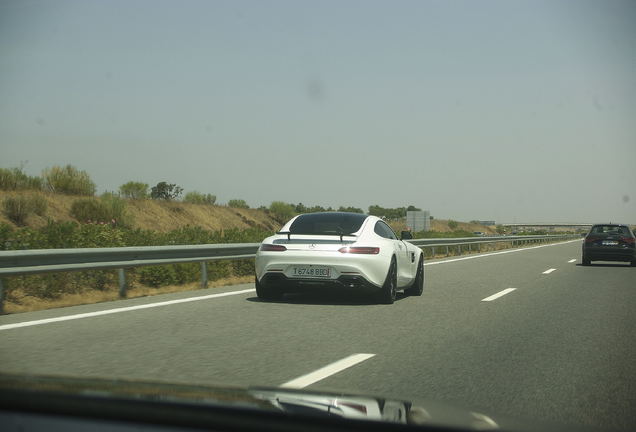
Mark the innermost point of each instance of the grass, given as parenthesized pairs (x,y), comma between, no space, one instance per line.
(30,303)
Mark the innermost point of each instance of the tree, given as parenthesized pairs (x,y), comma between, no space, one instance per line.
(315,209)
(350,209)
(237,203)
(165,191)
(134,190)
(389,213)
(452,224)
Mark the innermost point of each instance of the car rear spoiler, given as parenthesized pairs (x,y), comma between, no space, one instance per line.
(289,233)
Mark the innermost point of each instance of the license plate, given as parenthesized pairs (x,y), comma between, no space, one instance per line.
(310,272)
(609,243)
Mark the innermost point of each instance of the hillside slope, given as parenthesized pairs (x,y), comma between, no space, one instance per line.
(164,216)
(157,215)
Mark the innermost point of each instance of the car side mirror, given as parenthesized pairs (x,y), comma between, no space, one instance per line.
(406,235)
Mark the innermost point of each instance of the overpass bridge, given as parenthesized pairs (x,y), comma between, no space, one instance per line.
(549,224)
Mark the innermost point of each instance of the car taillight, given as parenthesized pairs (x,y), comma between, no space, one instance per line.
(360,250)
(629,240)
(590,239)
(272,248)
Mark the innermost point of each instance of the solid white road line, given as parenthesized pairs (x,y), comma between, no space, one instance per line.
(499,294)
(572,260)
(548,271)
(497,253)
(326,371)
(118,310)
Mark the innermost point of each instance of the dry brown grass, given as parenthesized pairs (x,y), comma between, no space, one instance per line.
(155,215)
(57,208)
(441,225)
(28,303)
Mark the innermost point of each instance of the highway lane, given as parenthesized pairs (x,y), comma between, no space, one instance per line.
(558,347)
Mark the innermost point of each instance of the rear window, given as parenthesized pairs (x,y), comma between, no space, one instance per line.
(334,223)
(610,229)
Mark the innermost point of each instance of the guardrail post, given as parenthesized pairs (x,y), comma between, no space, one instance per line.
(122,282)
(2,296)
(433,251)
(469,248)
(204,274)
(447,251)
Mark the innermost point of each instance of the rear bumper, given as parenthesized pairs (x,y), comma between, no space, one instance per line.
(281,281)
(607,254)
(371,268)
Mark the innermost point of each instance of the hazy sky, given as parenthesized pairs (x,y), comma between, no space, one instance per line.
(507,110)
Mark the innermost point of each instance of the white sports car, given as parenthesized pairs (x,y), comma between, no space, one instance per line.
(348,250)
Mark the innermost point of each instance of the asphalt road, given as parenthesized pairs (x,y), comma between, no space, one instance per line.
(559,347)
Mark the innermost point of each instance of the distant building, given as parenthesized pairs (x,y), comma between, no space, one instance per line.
(487,223)
(419,220)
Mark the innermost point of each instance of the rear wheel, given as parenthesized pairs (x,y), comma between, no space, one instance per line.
(418,284)
(388,292)
(586,261)
(268,293)
(633,263)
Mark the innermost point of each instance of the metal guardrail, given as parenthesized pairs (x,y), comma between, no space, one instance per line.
(458,242)
(36,261)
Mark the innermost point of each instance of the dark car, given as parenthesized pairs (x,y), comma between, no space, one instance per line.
(609,242)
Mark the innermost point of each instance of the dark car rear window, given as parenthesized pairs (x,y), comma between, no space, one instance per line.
(610,229)
(333,223)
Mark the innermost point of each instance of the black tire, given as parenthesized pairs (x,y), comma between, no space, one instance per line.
(633,263)
(585,261)
(267,293)
(388,292)
(418,284)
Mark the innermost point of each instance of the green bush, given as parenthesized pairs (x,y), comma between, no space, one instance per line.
(18,208)
(24,238)
(97,235)
(157,276)
(134,190)
(88,210)
(74,235)
(116,209)
(16,179)
(39,204)
(68,180)
(109,209)
(199,198)
(237,203)
(452,224)
(281,211)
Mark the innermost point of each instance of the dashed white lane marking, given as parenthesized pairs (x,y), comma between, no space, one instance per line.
(548,271)
(326,371)
(572,260)
(499,294)
(118,310)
